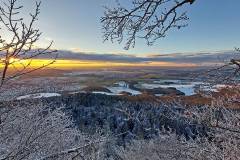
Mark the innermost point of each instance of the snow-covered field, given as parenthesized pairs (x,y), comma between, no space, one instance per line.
(118,90)
(188,89)
(106,93)
(38,95)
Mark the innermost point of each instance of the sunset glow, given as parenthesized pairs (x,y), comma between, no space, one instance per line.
(78,64)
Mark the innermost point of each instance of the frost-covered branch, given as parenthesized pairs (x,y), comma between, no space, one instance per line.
(147,19)
(17,47)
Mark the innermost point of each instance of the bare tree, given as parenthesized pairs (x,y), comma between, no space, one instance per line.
(17,47)
(227,72)
(223,141)
(35,131)
(147,19)
(170,147)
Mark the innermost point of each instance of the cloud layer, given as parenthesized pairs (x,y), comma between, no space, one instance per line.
(202,58)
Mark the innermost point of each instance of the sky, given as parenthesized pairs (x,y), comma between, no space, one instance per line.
(75,25)
(75,28)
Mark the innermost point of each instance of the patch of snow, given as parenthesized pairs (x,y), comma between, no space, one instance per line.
(106,93)
(39,95)
(118,90)
(76,92)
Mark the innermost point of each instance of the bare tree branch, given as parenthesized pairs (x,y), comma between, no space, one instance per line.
(23,37)
(226,73)
(148,19)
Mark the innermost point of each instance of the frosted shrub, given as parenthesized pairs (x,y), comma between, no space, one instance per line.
(38,132)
